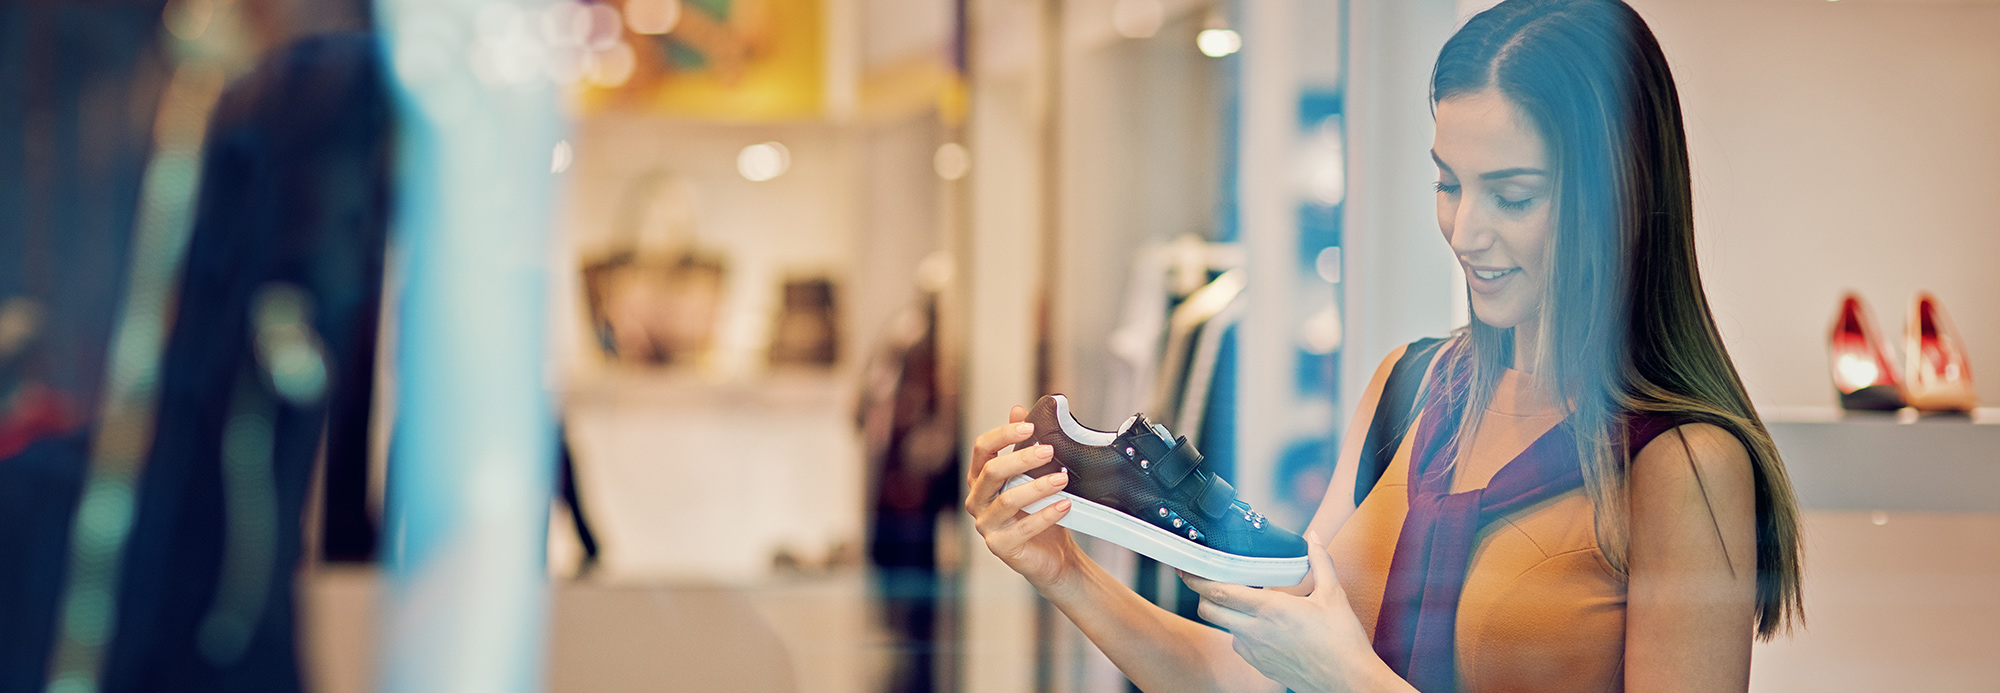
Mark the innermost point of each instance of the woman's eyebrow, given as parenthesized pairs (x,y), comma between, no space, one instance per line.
(1439,162)
(1509,173)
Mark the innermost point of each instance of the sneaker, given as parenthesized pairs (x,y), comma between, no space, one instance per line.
(1145,490)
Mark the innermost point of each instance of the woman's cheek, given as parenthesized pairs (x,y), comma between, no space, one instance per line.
(1444,218)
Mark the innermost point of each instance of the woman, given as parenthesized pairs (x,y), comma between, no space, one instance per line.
(1587,500)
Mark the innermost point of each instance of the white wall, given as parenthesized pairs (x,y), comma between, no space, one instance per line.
(1137,166)
(810,220)
(999,267)
(1851,144)
(860,204)
(1398,274)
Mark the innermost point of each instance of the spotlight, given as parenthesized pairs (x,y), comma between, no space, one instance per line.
(762,162)
(1216,43)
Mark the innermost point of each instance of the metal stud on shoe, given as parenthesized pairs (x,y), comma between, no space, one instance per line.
(1128,451)
(1178,523)
(1163,512)
(1144,464)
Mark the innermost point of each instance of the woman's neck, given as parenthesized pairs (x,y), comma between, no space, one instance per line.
(1524,345)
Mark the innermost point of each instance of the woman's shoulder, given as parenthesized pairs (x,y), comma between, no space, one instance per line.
(1695,477)
(1693,506)
(1425,349)
(1699,448)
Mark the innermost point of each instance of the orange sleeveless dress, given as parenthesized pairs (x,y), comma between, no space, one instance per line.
(1541,609)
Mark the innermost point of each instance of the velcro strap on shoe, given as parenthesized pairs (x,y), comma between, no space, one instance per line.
(1216,496)
(1178,463)
(1146,443)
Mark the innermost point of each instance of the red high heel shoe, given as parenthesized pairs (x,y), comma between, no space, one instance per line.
(1937,376)
(1861,371)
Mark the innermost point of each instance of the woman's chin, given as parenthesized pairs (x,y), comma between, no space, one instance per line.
(1499,319)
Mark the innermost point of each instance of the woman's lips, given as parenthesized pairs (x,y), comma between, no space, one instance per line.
(1489,280)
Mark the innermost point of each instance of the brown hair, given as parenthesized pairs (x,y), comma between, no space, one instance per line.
(1625,326)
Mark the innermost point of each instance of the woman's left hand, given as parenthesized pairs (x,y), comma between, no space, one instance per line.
(1309,643)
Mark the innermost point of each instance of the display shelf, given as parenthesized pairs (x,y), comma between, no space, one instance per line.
(1899,461)
(691,479)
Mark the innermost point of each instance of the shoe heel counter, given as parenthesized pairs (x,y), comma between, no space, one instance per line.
(1047,432)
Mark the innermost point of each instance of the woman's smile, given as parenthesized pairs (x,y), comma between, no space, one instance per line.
(1489,280)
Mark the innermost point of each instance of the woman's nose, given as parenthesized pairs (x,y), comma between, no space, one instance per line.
(1470,234)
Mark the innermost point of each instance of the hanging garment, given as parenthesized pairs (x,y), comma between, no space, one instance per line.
(69,188)
(277,290)
(1185,366)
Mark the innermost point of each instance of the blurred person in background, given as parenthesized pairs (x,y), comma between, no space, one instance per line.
(909,424)
(1585,500)
(266,360)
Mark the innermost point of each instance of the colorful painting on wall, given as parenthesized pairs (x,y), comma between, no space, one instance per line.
(726,60)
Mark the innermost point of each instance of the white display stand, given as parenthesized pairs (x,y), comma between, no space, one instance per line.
(1890,461)
(690,480)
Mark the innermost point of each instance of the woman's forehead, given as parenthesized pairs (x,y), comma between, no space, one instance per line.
(1483,132)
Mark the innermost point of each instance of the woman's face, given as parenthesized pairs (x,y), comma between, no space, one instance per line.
(1494,205)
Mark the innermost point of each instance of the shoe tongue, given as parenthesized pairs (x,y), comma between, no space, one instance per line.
(1140,421)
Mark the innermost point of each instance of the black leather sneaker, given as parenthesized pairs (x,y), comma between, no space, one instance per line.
(1145,490)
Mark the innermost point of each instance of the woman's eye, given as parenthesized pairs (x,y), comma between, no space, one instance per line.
(1505,203)
(1446,188)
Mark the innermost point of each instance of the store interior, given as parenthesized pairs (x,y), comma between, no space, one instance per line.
(799,253)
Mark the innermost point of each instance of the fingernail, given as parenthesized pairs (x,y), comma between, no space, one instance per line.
(1024,429)
(1062,506)
(1059,479)
(1044,451)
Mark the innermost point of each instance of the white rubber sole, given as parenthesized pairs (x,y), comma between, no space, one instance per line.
(1166,547)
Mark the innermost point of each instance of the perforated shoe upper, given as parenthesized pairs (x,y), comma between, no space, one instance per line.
(1143,473)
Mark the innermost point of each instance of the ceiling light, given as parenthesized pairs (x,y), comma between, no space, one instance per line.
(762,162)
(1216,43)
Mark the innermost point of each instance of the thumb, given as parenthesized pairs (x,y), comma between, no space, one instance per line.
(1324,581)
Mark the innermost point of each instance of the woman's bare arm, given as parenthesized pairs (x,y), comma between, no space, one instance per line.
(1157,649)
(1693,563)
(1339,500)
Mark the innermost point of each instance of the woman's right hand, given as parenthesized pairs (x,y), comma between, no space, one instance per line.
(1031,544)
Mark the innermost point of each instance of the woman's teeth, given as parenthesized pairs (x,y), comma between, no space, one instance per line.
(1491,274)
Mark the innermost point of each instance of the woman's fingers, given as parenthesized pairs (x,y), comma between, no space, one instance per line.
(1012,501)
(1222,616)
(1247,600)
(990,479)
(989,444)
(1009,539)
(1324,582)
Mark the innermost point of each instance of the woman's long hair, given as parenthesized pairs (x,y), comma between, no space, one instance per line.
(1625,327)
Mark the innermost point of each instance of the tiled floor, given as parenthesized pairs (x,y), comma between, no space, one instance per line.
(804,634)
(1910,604)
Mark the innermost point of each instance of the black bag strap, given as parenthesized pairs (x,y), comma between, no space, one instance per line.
(1393,413)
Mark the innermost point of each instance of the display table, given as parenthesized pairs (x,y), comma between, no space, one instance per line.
(1890,461)
(687,479)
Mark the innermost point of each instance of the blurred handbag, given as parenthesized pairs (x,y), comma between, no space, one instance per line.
(655,306)
(806,332)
